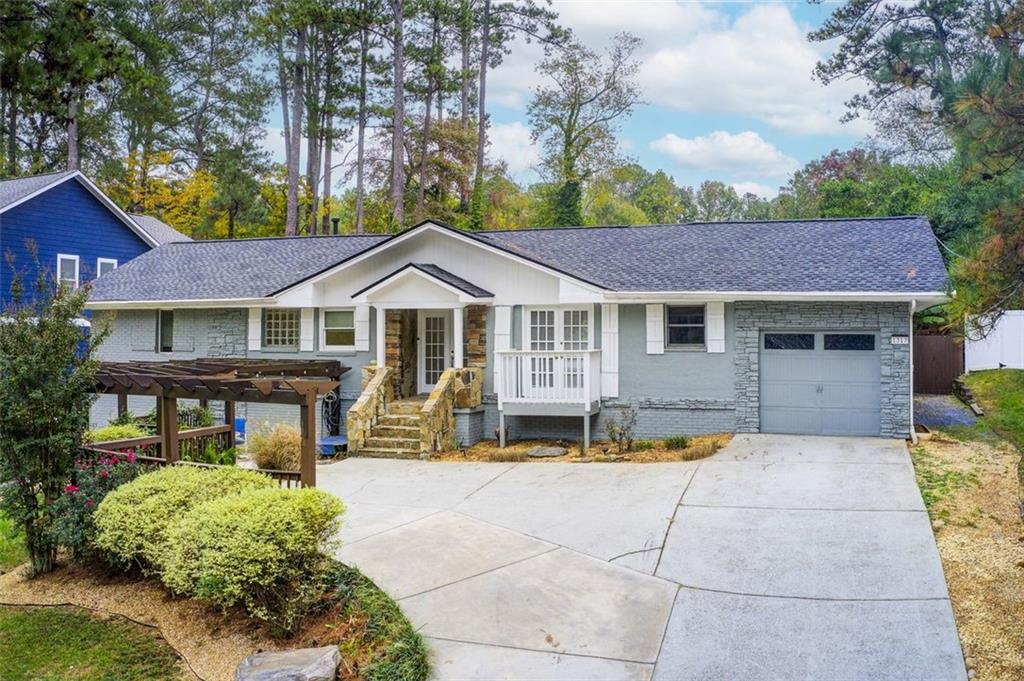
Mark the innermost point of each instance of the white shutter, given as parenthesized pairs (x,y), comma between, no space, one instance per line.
(656,329)
(255,328)
(714,327)
(502,336)
(609,350)
(306,330)
(362,322)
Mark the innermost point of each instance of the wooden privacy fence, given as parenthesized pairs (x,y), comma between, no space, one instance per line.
(938,360)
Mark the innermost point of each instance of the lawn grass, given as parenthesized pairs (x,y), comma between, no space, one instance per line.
(938,482)
(1001,394)
(51,644)
(12,545)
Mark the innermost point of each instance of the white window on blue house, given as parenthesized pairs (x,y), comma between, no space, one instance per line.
(105,266)
(338,329)
(281,329)
(684,326)
(67,270)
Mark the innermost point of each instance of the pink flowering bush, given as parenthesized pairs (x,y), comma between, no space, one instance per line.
(93,479)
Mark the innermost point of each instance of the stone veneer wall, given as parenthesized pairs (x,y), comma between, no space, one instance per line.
(475,333)
(400,350)
(887,318)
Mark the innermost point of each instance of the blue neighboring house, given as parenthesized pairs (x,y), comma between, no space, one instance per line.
(77,232)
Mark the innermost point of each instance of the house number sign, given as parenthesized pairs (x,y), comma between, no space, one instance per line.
(900,340)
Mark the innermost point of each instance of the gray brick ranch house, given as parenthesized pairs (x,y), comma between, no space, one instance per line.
(778,326)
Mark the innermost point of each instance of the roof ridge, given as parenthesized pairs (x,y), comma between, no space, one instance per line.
(698,222)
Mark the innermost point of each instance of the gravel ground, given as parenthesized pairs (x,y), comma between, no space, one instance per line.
(936,411)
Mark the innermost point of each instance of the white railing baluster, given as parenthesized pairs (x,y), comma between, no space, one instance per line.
(547,376)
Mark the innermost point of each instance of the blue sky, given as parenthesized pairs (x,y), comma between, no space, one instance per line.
(728,90)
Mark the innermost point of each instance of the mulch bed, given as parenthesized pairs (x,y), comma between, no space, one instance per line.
(700,446)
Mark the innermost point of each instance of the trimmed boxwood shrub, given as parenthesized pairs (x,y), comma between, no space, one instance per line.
(114,431)
(132,521)
(264,550)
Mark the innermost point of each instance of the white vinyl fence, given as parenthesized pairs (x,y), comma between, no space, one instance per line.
(1004,345)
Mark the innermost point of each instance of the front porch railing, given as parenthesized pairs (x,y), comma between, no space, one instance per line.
(549,377)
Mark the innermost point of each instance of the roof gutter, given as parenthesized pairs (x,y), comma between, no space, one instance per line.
(196,303)
(933,297)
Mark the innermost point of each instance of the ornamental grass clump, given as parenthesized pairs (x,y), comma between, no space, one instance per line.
(276,449)
(133,521)
(266,550)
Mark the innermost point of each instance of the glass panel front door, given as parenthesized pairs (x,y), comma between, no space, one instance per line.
(435,347)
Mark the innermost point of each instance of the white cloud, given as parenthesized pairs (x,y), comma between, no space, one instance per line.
(511,142)
(720,151)
(759,66)
(756,188)
(273,141)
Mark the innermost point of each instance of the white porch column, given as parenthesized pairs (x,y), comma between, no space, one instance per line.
(458,342)
(380,344)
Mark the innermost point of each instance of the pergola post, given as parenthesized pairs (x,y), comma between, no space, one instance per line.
(122,405)
(307,460)
(167,418)
(229,419)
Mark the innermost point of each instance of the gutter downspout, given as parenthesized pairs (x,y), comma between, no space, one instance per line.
(913,431)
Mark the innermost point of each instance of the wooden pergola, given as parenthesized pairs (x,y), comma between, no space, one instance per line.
(296,382)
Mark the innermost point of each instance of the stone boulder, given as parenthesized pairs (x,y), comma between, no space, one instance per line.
(305,664)
(541,452)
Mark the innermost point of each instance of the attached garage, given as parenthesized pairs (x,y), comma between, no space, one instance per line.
(820,382)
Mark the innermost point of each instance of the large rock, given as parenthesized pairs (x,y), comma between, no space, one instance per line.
(305,664)
(546,452)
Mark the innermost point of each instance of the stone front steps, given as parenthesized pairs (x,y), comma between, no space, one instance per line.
(396,434)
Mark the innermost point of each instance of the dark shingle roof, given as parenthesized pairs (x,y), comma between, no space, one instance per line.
(862,254)
(243,268)
(14,190)
(159,230)
(892,255)
(453,280)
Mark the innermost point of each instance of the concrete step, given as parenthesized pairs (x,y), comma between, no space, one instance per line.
(388,453)
(390,420)
(376,441)
(411,432)
(409,407)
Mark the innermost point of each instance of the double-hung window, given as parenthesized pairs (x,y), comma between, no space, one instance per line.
(281,328)
(105,266)
(67,270)
(338,330)
(684,326)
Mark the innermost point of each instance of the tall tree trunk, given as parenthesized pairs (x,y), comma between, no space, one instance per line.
(73,163)
(292,213)
(231,223)
(467,38)
(398,119)
(328,149)
(361,127)
(485,44)
(282,84)
(314,133)
(12,136)
(428,102)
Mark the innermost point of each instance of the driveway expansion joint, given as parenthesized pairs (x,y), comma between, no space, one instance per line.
(691,587)
(548,651)
(554,547)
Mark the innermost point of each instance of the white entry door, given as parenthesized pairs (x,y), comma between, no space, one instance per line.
(435,347)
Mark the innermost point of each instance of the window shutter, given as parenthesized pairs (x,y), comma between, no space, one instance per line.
(306,330)
(656,329)
(362,322)
(714,323)
(609,350)
(255,328)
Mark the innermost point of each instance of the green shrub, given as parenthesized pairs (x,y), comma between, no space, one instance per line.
(278,449)
(132,522)
(643,445)
(114,431)
(264,550)
(677,442)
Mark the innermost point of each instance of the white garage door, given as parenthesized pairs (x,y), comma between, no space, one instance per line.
(820,382)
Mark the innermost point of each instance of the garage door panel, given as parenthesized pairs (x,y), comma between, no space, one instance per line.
(790,420)
(789,393)
(827,392)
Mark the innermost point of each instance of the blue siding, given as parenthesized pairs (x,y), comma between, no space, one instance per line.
(66,219)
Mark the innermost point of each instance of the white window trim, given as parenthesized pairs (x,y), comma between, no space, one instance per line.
(559,325)
(102,261)
(687,347)
(78,272)
(323,329)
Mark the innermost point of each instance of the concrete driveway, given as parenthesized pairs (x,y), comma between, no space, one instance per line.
(778,558)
